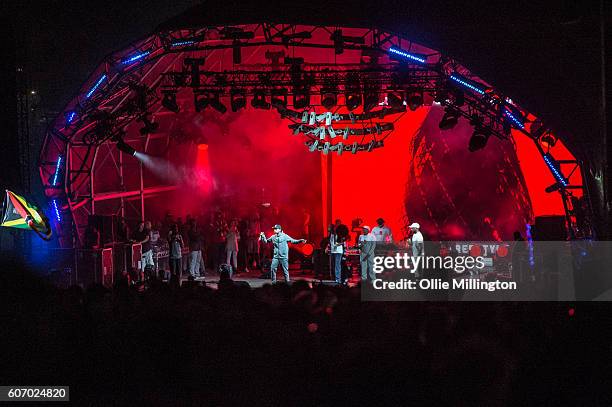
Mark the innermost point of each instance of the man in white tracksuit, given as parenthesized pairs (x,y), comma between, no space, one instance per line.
(367,247)
(418,246)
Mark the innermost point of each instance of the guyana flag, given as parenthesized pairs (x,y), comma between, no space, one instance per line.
(18,213)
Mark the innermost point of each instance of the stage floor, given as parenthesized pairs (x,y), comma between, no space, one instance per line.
(254,280)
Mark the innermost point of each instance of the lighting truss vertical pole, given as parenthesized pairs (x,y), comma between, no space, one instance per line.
(607,156)
(122,183)
(326,187)
(568,217)
(142,205)
(91,184)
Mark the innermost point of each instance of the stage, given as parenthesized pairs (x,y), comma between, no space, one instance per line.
(254,280)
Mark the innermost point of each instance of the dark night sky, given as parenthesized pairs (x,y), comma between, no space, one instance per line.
(543,54)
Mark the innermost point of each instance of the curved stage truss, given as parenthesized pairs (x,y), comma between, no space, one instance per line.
(304,72)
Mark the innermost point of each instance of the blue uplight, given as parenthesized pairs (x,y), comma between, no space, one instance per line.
(405,54)
(56,210)
(518,123)
(530,244)
(57,170)
(70,117)
(134,58)
(96,86)
(466,83)
(182,43)
(552,164)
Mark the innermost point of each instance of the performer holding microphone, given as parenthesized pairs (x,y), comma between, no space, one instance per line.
(279,241)
(367,247)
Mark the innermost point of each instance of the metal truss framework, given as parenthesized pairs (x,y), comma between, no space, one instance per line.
(129,84)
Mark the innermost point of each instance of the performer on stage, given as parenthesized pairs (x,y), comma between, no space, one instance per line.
(143,236)
(418,246)
(336,251)
(281,250)
(175,240)
(367,246)
(382,232)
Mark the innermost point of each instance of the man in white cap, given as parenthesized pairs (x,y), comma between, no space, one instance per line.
(367,246)
(280,255)
(418,246)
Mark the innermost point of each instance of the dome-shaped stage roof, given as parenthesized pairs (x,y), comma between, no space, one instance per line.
(340,89)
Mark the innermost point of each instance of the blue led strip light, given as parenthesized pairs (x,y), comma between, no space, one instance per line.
(413,57)
(553,167)
(70,117)
(181,43)
(56,210)
(57,170)
(530,244)
(134,58)
(468,85)
(513,119)
(96,86)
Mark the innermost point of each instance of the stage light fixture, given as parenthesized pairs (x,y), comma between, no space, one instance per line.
(301,98)
(552,188)
(395,99)
(415,100)
(148,126)
(259,100)
(370,101)
(329,98)
(449,120)
(352,94)
(200,103)
(204,99)
(479,139)
(124,147)
(237,99)
(216,104)
(507,128)
(279,97)
(548,140)
(353,100)
(459,97)
(169,101)
(537,129)
(179,79)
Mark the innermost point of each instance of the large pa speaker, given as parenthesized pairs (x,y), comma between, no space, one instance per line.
(95,267)
(108,268)
(321,263)
(550,228)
